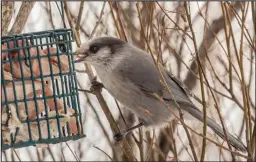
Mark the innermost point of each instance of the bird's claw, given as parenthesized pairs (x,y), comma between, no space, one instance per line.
(96,86)
(120,136)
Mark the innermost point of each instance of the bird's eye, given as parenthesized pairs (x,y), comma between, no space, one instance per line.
(94,49)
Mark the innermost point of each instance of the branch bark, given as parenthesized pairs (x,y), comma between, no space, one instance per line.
(123,143)
(7,12)
(210,35)
(22,17)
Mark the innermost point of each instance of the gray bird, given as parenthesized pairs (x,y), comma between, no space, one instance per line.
(130,76)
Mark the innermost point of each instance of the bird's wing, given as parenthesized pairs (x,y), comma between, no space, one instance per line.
(145,75)
(141,71)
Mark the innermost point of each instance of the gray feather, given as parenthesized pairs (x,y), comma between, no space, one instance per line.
(146,76)
(129,74)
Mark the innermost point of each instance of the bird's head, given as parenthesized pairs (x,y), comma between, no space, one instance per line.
(102,52)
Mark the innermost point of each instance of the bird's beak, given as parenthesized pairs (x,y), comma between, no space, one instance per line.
(81,55)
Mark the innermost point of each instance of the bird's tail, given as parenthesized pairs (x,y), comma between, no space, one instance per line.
(236,143)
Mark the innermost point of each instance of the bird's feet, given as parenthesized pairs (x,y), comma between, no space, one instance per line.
(121,135)
(96,86)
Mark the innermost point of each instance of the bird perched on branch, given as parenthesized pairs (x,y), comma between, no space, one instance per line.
(132,77)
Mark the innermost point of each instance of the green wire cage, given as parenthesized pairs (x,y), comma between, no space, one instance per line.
(40,103)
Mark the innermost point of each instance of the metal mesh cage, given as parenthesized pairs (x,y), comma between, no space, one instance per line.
(40,103)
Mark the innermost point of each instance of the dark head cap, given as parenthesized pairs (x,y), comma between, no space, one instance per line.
(113,43)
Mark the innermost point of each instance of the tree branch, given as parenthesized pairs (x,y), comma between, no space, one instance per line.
(22,17)
(7,12)
(215,27)
(123,143)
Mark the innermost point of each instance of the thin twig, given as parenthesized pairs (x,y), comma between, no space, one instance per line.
(201,85)
(77,159)
(22,17)
(239,20)
(51,153)
(214,28)
(103,152)
(81,8)
(71,24)
(100,123)
(115,21)
(84,90)
(126,125)
(199,134)
(150,148)
(178,27)
(38,154)
(123,143)
(7,13)
(48,9)
(120,22)
(16,154)
(80,71)
(166,86)
(99,20)
(203,74)
(243,86)
(141,146)
(192,95)
(63,158)
(201,80)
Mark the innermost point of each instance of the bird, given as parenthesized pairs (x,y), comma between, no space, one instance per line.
(131,76)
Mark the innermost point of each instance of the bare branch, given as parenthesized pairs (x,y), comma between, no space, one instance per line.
(7,12)
(99,21)
(215,27)
(123,143)
(22,17)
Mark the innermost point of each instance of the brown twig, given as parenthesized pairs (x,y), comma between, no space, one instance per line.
(166,86)
(120,22)
(48,9)
(103,152)
(63,158)
(151,144)
(199,62)
(216,26)
(16,154)
(166,144)
(200,77)
(81,8)
(192,95)
(201,81)
(5,155)
(239,20)
(123,143)
(243,86)
(7,12)
(191,129)
(73,153)
(115,21)
(101,124)
(253,7)
(99,20)
(245,106)
(125,123)
(120,27)
(176,25)
(22,17)
(38,154)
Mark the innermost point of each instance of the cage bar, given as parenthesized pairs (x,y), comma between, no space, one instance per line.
(24,59)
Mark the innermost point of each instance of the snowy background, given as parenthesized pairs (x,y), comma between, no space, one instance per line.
(39,20)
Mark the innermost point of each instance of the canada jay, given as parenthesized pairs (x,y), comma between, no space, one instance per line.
(130,75)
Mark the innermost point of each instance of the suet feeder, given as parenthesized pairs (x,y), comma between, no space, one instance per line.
(39,98)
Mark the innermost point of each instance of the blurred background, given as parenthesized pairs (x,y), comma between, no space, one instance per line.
(222,33)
